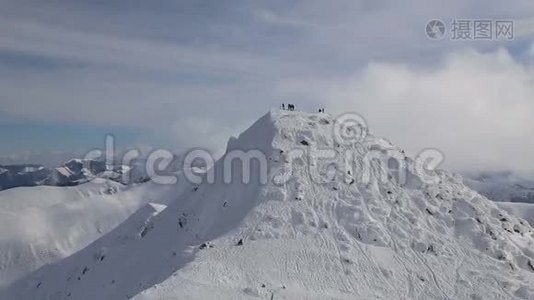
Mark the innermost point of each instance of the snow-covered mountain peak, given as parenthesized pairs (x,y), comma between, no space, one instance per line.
(326,220)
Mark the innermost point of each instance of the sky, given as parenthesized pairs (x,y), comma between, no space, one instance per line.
(184,74)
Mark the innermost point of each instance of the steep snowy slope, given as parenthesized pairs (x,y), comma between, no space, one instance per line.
(316,230)
(40,225)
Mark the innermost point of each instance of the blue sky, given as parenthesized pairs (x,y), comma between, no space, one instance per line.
(181,74)
(50,137)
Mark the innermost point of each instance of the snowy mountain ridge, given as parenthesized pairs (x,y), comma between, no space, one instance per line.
(294,238)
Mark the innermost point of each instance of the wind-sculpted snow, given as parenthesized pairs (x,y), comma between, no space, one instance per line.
(319,228)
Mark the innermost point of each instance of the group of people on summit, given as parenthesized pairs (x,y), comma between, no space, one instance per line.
(291,107)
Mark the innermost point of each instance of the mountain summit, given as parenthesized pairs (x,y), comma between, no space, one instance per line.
(313,214)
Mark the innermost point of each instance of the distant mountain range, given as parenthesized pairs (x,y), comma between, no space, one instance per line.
(501,186)
(71,173)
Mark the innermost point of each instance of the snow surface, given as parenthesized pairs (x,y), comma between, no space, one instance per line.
(297,239)
(41,225)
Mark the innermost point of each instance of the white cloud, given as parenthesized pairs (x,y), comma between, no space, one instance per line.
(476,108)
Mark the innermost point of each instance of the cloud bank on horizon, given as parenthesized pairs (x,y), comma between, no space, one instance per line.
(190,74)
